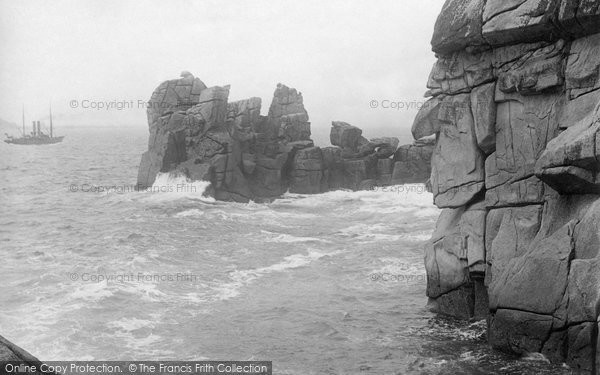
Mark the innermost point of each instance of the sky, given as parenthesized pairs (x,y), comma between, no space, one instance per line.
(363,62)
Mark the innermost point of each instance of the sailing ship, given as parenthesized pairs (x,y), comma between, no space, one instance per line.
(37,137)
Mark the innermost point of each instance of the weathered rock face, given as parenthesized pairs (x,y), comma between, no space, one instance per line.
(9,352)
(197,133)
(515,105)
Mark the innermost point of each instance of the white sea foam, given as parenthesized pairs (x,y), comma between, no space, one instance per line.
(241,278)
(194,212)
(400,266)
(130,324)
(93,292)
(381,233)
(288,238)
(535,357)
(168,186)
(398,199)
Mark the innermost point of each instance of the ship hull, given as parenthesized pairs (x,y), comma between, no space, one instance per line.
(35,141)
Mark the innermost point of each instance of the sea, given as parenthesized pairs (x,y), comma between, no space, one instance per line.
(332,283)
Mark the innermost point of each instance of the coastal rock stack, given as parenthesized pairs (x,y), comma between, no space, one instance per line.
(196,132)
(515,107)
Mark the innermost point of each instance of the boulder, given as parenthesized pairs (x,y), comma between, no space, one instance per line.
(345,135)
(10,352)
(519,332)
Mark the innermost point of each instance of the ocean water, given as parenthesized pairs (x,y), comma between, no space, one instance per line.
(323,284)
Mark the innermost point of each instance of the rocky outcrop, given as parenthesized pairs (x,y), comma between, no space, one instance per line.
(515,104)
(10,353)
(196,132)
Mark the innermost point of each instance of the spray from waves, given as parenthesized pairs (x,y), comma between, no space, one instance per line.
(169,187)
(383,200)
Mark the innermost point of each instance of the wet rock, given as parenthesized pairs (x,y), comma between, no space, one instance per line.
(582,346)
(10,352)
(455,262)
(456,249)
(519,331)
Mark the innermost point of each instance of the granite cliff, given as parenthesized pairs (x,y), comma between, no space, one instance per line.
(196,132)
(11,353)
(515,108)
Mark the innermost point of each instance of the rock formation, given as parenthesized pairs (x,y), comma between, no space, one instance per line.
(515,106)
(196,132)
(10,353)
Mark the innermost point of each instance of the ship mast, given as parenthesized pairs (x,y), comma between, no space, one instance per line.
(23,120)
(50,120)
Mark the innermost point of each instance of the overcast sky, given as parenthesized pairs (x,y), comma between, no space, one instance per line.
(340,54)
